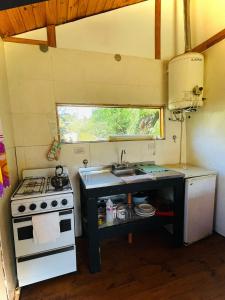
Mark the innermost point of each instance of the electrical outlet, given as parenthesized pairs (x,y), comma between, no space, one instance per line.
(78,150)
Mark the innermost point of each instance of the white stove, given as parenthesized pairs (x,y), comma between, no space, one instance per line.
(34,197)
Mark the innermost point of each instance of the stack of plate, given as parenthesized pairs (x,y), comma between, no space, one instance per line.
(145,210)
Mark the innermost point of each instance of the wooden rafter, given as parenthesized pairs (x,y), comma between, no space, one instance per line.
(51,42)
(25,41)
(157,29)
(210,42)
(51,36)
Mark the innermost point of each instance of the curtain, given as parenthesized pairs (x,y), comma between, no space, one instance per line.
(4,173)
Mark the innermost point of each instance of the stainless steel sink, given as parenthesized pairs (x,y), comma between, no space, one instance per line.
(127,172)
(102,176)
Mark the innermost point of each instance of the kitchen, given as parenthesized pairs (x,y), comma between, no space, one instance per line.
(33,82)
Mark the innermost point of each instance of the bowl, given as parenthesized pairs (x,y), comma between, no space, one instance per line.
(139,198)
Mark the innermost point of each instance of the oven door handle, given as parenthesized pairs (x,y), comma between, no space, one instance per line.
(25,219)
(20,220)
(44,254)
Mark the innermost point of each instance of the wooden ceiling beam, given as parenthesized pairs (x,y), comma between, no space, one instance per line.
(6,4)
(72,10)
(6,26)
(25,41)
(210,42)
(157,29)
(51,36)
(33,14)
(51,12)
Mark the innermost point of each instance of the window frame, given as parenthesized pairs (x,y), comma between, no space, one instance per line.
(119,139)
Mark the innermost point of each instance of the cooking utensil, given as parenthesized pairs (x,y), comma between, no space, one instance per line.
(121,212)
(60,179)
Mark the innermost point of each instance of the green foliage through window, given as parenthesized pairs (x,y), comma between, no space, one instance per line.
(97,123)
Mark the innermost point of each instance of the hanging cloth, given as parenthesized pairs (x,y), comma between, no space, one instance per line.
(54,150)
(4,173)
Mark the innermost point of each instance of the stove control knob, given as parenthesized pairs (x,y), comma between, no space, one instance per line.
(43,205)
(33,206)
(64,201)
(21,208)
(54,203)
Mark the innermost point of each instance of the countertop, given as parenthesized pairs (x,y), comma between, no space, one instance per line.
(190,171)
(96,177)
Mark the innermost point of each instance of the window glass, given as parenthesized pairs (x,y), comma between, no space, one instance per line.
(97,123)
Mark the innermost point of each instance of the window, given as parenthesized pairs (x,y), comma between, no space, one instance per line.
(81,123)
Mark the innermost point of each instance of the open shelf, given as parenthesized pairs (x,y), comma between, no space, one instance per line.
(136,218)
(161,194)
(133,225)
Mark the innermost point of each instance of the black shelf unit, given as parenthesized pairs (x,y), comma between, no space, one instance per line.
(95,233)
(133,226)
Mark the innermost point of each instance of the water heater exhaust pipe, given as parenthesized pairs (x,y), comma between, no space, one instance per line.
(187,25)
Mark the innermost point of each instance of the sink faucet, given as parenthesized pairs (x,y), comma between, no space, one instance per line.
(121,156)
(85,162)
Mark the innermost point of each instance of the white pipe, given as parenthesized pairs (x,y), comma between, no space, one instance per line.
(187,25)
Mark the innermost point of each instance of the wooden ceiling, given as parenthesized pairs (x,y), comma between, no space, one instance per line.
(53,12)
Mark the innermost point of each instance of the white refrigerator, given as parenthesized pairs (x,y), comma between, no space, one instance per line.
(199,207)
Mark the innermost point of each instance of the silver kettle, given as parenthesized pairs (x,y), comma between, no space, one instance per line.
(59,180)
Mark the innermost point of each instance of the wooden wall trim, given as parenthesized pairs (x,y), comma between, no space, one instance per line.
(24,41)
(210,42)
(51,36)
(157,29)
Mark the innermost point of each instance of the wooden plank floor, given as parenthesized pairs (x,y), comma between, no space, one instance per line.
(149,269)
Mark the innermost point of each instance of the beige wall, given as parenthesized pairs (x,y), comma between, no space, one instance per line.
(205,129)
(207,19)
(128,31)
(5,219)
(38,80)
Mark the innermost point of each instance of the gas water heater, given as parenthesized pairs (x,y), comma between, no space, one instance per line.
(186,73)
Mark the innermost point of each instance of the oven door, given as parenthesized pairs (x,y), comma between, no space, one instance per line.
(23,234)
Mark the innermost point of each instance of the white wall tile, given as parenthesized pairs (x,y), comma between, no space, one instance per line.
(68,65)
(71,158)
(32,96)
(32,129)
(27,62)
(103,153)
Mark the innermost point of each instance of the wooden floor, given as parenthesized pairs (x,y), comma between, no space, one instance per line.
(149,269)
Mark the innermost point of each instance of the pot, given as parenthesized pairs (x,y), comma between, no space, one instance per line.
(60,179)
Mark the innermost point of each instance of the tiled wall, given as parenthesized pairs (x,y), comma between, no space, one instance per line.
(38,80)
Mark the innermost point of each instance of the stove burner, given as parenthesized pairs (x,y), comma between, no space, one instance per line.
(36,195)
(51,189)
(38,187)
(31,186)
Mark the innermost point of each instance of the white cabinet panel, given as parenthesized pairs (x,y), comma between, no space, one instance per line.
(46,266)
(199,207)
